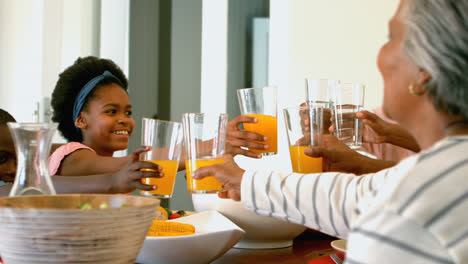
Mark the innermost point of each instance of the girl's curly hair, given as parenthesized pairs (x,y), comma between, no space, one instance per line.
(69,84)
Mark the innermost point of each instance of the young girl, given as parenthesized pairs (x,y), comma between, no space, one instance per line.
(92,107)
(125,180)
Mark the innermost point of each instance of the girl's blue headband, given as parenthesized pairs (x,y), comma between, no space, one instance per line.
(87,88)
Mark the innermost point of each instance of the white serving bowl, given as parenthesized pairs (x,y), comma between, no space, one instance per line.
(214,235)
(261,231)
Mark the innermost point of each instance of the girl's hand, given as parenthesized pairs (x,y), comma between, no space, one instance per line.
(129,177)
(237,138)
(229,174)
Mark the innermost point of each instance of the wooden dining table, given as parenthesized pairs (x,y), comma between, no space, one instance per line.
(308,246)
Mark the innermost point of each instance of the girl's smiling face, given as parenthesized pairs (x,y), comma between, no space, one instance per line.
(7,155)
(106,121)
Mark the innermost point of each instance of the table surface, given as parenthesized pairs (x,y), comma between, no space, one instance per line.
(308,246)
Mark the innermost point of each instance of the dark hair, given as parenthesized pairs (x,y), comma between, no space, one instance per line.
(5,117)
(70,82)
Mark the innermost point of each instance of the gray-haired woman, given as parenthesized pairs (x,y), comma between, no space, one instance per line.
(414,212)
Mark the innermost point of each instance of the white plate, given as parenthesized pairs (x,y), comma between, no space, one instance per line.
(339,245)
(214,235)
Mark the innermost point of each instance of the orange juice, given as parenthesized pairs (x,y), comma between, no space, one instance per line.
(302,163)
(267,126)
(206,185)
(166,183)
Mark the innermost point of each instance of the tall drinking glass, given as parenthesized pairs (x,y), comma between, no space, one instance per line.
(349,99)
(319,92)
(204,138)
(304,126)
(262,104)
(165,139)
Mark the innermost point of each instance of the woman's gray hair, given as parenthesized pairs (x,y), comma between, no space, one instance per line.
(437,41)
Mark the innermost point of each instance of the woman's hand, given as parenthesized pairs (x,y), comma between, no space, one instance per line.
(339,157)
(129,177)
(238,140)
(229,174)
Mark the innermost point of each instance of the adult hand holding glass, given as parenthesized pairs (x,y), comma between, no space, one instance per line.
(378,131)
(261,103)
(339,157)
(229,174)
(237,140)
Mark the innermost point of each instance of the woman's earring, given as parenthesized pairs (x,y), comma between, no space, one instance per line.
(414,92)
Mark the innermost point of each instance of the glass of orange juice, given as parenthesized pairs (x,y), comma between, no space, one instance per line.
(304,126)
(204,139)
(165,139)
(262,104)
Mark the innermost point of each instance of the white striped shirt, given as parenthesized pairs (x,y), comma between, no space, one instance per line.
(412,213)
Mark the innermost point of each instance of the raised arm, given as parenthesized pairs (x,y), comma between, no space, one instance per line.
(326,202)
(378,131)
(86,162)
(125,180)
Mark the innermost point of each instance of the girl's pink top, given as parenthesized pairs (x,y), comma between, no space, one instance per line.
(59,154)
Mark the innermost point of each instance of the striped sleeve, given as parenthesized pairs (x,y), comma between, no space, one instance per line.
(386,237)
(325,202)
(421,216)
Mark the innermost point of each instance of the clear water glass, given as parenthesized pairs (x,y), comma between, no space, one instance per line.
(348,100)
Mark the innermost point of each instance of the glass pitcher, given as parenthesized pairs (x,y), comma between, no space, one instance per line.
(32,145)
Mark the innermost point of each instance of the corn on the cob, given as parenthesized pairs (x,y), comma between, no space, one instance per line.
(159,227)
(167,234)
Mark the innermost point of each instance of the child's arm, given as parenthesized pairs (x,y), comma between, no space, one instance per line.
(124,181)
(86,162)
